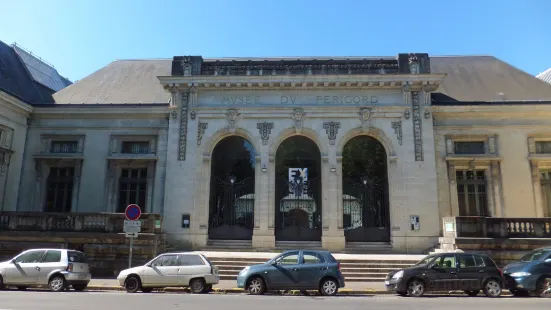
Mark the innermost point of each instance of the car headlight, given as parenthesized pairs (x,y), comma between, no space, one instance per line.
(245,269)
(520,274)
(398,275)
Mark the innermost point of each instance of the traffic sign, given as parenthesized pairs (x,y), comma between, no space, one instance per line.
(132,223)
(132,229)
(133,212)
(131,234)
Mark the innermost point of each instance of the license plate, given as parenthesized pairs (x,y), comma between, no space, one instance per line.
(82,276)
(387,282)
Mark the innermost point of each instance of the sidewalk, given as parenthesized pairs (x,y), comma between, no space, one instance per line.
(229,286)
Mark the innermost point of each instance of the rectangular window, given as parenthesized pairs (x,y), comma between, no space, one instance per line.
(469,148)
(52,256)
(132,188)
(545,183)
(59,189)
(543,147)
(470,261)
(76,257)
(471,192)
(131,147)
(191,260)
(64,147)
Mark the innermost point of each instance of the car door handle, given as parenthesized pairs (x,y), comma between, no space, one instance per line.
(295,269)
(37,268)
(481,271)
(453,272)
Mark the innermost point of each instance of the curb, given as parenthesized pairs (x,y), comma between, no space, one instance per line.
(343,292)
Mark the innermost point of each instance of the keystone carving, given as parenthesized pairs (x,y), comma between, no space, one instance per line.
(265,129)
(298,117)
(332,129)
(365,118)
(232,115)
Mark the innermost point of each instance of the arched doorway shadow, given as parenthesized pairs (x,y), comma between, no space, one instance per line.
(366,214)
(232,190)
(298,190)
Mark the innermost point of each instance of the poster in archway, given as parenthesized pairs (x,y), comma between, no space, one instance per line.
(298,181)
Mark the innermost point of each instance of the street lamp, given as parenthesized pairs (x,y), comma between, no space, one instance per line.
(232,179)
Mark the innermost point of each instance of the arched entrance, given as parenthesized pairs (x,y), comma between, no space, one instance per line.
(365,191)
(232,184)
(298,190)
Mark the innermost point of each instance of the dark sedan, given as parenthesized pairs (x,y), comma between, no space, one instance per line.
(294,270)
(467,272)
(532,274)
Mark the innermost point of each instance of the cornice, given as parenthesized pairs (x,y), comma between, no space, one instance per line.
(302,81)
(493,111)
(15,104)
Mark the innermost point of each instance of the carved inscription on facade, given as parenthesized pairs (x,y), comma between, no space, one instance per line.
(417,133)
(183,127)
(332,129)
(397,126)
(201,128)
(319,100)
(265,129)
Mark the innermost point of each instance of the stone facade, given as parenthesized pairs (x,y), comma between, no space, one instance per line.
(393,100)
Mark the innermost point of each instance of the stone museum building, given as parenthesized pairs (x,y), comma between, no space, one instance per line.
(334,152)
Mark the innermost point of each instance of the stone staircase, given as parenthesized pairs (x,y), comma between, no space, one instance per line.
(356,268)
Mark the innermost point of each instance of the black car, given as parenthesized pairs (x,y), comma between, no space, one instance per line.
(532,274)
(468,272)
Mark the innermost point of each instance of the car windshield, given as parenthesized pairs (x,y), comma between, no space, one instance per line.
(534,256)
(425,261)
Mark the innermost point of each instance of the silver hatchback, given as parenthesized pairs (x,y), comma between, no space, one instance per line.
(56,268)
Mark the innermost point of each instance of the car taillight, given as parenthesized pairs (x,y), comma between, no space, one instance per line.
(500,271)
(70,267)
(339,266)
(211,270)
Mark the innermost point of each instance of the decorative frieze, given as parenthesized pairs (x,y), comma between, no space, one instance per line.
(332,129)
(397,126)
(232,116)
(193,114)
(174,114)
(298,117)
(183,127)
(417,129)
(365,118)
(265,129)
(201,128)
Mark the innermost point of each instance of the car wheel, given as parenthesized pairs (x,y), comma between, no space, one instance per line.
(22,288)
(197,286)
(492,288)
(416,288)
(329,287)
(132,284)
(543,287)
(57,283)
(147,289)
(80,287)
(256,286)
(472,293)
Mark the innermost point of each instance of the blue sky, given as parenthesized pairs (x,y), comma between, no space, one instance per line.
(79,37)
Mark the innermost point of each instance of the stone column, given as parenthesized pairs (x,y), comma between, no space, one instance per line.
(200,214)
(76,185)
(150,187)
(332,238)
(454,198)
(263,235)
(110,187)
(537,189)
(496,184)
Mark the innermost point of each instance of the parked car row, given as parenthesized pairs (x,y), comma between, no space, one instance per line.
(61,269)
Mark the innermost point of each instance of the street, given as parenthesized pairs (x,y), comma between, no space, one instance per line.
(43,300)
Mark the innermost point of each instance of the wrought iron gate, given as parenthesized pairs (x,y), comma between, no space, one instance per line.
(298,210)
(231,209)
(366,212)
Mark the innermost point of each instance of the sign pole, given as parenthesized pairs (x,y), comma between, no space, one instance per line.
(130,253)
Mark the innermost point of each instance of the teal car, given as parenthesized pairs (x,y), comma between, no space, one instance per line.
(532,274)
(294,270)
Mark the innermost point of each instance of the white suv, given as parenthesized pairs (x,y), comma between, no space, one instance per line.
(56,268)
(187,269)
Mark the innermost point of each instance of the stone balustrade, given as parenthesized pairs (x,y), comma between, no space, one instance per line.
(75,222)
(494,227)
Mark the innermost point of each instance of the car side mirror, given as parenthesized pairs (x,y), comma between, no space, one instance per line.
(434,266)
(13,261)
